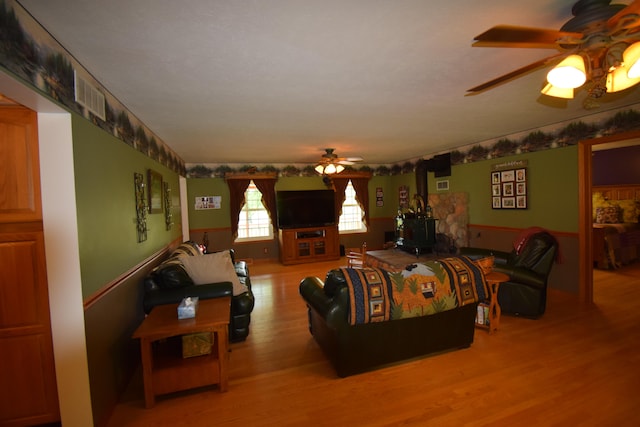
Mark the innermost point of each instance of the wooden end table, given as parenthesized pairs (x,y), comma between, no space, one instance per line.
(163,367)
(493,281)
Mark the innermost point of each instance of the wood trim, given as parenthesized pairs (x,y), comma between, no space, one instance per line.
(210,230)
(618,192)
(249,175)
(352,174)
(585,211)
(517,230)
(96,296)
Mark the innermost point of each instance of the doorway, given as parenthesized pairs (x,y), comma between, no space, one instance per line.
(585,220)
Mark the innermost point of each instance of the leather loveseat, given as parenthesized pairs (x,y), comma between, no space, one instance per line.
(354,349)
(169,283)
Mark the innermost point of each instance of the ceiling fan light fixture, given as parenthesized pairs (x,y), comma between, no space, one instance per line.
(558,92)
(618,79)
(568,74)
(631,58)
(329,169)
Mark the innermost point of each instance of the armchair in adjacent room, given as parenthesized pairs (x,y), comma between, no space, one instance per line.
(528,267)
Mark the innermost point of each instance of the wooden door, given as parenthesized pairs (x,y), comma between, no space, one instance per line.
(28,393)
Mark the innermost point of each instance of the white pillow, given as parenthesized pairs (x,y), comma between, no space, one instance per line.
(212,268)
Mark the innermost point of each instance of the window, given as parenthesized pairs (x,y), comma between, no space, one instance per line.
(351,217)
(254,222)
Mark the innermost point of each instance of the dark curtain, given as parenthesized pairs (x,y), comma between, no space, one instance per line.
(361,186)
(267,187)
(339,184)
(237,188)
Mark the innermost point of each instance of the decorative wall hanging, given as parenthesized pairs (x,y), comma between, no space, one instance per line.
(168,217)
(208,202)
(156,198)
(509,187)
(403,197)
(141,207)
(379,197)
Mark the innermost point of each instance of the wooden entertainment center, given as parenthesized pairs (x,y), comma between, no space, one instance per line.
(300,245)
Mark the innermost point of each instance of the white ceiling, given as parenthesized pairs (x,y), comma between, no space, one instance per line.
(277,81)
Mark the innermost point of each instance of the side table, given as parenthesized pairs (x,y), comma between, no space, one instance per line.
(493,281)
(164,370)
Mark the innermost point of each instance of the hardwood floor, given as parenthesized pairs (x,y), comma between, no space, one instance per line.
(576,365)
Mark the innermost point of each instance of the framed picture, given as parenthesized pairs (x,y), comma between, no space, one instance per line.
(509,175)
(156,198)
(509,189)
(403,196)
(508,202)
(521,202)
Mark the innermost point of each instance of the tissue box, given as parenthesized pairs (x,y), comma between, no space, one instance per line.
(197,344)
(188,308)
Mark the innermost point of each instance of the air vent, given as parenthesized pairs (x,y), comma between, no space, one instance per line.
(88,96)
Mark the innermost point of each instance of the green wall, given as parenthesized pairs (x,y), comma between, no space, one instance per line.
(552,190)
(219,218)
(104,168)
(552,185)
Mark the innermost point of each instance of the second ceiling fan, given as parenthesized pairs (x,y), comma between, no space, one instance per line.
(599,48)
(330,163)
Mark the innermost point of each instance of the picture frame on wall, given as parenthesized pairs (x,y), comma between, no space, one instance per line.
(156,198)
(509,187)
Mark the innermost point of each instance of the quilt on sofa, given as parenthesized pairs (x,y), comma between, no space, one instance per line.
(421,289)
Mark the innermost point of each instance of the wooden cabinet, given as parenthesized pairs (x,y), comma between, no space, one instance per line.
(28,394)
(300,245)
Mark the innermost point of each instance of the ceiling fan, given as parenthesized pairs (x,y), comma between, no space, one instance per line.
(599,49)
(330,163)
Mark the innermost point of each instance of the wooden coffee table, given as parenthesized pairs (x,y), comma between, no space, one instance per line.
(163,367)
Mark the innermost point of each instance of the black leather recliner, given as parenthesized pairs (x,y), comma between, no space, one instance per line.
(525,294)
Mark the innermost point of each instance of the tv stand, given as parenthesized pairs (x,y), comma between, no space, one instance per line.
(300,245)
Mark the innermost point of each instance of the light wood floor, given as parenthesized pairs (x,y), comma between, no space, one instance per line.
(576,366)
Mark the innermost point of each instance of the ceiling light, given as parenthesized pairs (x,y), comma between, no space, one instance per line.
(631,57)
(618,79)
(568,74)
(558,92)
(328,169)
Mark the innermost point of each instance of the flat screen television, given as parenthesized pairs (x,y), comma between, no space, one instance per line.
(305,208)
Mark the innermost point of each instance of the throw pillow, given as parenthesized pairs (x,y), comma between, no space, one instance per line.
(610,215)
(169,275)
(213,268)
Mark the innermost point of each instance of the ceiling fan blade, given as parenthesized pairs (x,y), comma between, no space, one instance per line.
(513,36)
(631,12)
(516,73)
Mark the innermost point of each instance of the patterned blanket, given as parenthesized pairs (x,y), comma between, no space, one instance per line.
(422,289)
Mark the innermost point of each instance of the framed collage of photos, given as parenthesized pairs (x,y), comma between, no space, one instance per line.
(509,188)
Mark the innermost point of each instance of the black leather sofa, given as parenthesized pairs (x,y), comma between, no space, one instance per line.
(169,283)
(354,349)
(525,294)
